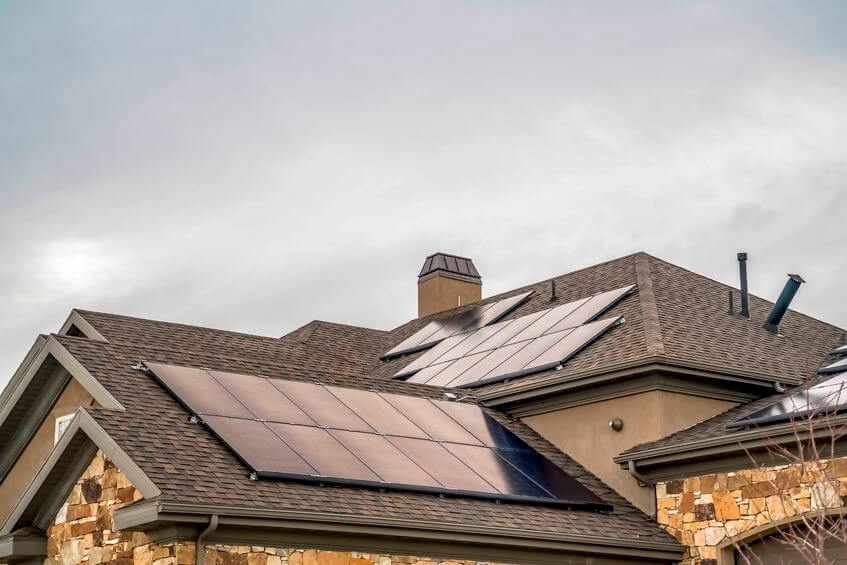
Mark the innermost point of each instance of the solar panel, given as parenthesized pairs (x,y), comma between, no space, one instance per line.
(828,397)
(531,355)
(349,436)
(836,367)
(504,334)
(471,319)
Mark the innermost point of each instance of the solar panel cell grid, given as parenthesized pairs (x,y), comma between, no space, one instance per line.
(352,436)
(531,343)
(469,320)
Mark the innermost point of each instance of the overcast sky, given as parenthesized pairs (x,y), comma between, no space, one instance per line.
(256,165)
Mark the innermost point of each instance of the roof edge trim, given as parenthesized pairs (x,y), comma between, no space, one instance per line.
(143,513)
(82,422)
(736,441)
(76,319)
(51,346)
(531,390)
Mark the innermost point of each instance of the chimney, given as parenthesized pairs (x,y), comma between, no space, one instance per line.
(782,303)
(447,281)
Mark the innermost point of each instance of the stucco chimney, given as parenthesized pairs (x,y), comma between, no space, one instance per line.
(447,281)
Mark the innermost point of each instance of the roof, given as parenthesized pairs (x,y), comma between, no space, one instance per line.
(450,265)
(190,465)
(674,315)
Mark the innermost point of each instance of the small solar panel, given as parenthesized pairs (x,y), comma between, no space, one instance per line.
(826,398)
(471,319)
(836,367)
(510,348)
(350,436)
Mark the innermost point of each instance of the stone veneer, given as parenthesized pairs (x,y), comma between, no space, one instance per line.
(705,512)
(82,533)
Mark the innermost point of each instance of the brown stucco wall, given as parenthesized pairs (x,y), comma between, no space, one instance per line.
(442,293)
(19,478)
(583,432)
(709,512)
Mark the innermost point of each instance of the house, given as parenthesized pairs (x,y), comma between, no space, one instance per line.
(608,415)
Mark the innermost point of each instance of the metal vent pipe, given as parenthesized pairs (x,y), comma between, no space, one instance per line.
(745,297)
(792,285)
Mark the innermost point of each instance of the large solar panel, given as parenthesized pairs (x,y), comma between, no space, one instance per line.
(826,398)
(531,343)
(304,431)
(471,319)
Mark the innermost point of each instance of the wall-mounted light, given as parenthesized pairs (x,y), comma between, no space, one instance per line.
(616,424)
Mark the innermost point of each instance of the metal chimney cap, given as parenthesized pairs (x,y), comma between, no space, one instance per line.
(796,278)
(742,256)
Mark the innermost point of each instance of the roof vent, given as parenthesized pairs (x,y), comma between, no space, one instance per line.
(745,296)
(783,302)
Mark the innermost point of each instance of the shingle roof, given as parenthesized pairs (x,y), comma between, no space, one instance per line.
(673,314)
(190,465)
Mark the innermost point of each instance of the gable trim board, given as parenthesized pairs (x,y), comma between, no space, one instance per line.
(51,346)
(32,421)
(76,319)
(165,521)
(27,425)
(66,463)
(731,451)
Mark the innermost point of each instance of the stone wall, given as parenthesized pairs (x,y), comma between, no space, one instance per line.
(706,512)
(82,533)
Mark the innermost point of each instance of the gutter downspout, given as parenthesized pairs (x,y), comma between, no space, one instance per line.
(200,547)
(645,482)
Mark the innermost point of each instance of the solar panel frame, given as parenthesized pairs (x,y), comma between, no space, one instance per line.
(530,327)
(473,318)
(799,405)
(835,367)
(316,453)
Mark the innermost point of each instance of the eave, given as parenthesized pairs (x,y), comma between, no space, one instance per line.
(732,451)
(539,395)
(166,521)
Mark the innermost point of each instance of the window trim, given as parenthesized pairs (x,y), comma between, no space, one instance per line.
(59,421)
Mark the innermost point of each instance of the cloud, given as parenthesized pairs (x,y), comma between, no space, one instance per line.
(256,168)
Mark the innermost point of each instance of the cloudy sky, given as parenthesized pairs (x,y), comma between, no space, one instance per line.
(256,165)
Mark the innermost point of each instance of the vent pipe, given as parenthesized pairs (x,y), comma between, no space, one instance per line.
(745,297)
(792,285)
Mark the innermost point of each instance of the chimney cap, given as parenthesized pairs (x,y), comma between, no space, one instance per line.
(449,265)
(796,278)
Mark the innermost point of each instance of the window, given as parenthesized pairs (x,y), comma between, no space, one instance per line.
(62,423)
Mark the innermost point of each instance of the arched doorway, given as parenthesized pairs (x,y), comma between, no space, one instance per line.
(773,550)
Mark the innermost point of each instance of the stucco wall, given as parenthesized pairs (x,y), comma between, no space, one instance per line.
(583,432)
(442,293)
(39,448)
(711,511)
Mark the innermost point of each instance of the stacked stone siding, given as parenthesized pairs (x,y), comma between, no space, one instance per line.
(708,511)
(83,533)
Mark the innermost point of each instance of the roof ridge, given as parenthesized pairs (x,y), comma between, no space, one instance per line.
(649,309)
(178,324)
